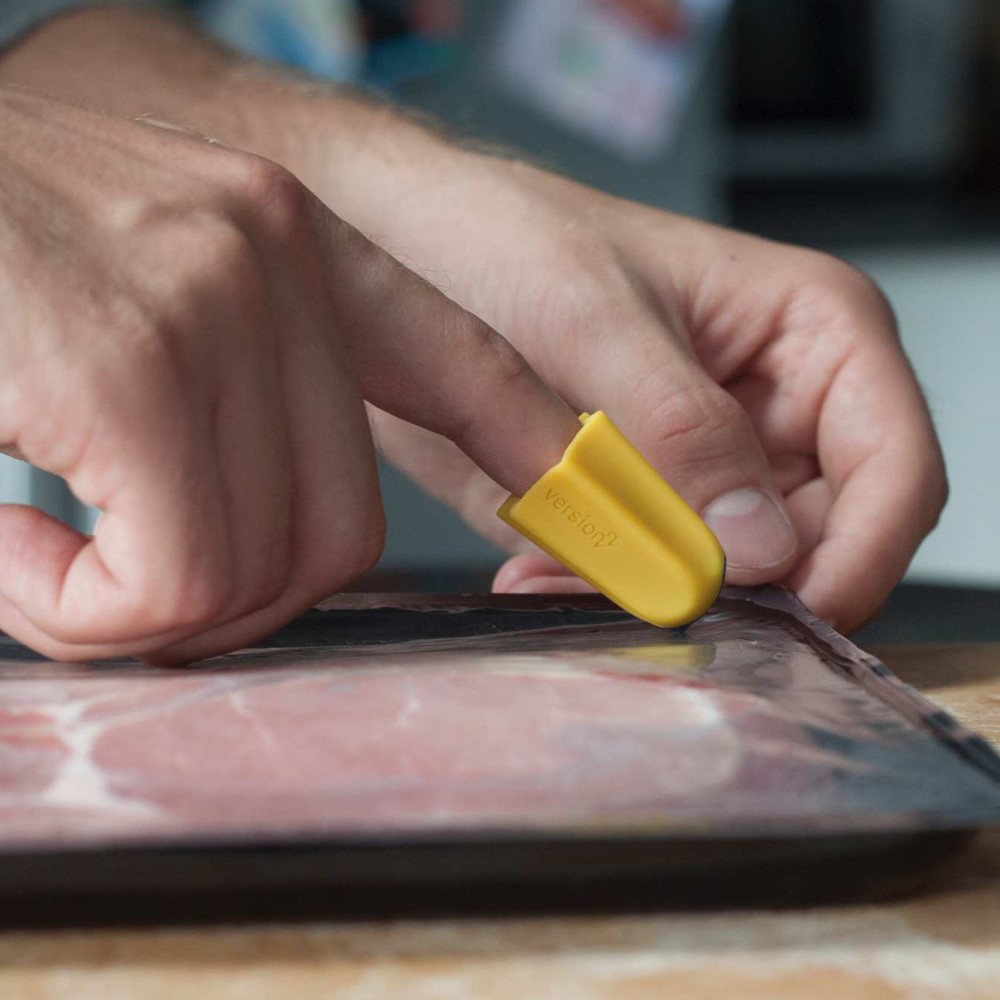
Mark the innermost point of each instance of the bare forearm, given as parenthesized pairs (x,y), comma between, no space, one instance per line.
(353,152)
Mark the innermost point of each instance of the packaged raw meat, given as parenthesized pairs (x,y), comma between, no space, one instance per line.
(389,752)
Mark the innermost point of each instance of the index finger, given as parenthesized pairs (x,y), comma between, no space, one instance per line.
(878,451)
(421,357)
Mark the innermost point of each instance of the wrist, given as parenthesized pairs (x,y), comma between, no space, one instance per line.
(130,62)
(362,157)
(358,155)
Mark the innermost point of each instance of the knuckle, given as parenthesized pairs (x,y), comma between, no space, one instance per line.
(201,605)
(214,250)
(272,586)
(355,549)
(369,541)
(505,363)
(218,244)
(269,190)
(502,368)
(127,212)
(214,268)
(700,436)
(211,260)
(193,603)
(702,416)
(866,304)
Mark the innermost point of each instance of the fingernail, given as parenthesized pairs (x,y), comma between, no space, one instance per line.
(753,531)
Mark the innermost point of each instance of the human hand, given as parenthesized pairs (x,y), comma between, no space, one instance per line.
(188,336)
(765,382)
(735,364)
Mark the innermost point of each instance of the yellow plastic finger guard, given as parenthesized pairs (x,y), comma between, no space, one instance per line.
(607,514)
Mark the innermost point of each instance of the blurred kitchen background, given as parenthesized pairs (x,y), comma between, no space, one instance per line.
(868,128)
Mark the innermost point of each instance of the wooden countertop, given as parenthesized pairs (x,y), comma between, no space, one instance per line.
(944,944)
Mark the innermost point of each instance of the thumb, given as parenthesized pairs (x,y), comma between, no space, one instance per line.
(704,444)
(423,359)
(696,435)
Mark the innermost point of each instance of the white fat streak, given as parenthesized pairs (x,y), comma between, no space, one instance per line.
(80,782)
(411,706)
(239,706)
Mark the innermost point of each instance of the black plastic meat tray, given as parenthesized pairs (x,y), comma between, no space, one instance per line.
(393,754)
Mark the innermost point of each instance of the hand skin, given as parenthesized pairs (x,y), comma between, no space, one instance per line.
(765,382)
(188,337)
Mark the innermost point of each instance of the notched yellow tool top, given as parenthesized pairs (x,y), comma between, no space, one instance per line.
(606,514)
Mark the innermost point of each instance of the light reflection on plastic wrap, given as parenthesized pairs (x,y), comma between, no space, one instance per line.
(476,714)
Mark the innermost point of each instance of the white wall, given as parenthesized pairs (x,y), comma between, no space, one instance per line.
(948,304)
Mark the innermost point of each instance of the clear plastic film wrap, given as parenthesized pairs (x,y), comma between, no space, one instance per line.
(446,720)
